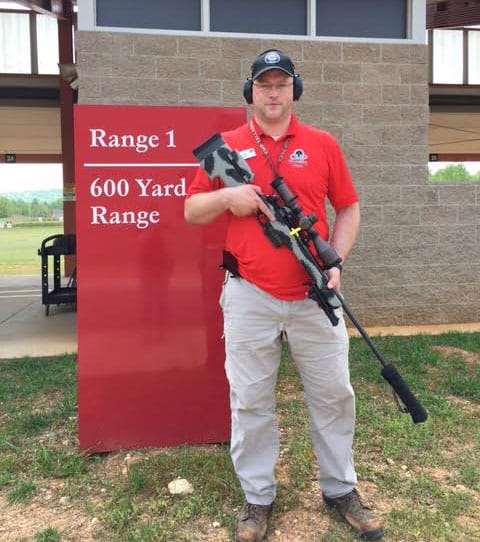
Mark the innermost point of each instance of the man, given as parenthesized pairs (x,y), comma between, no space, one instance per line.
(264,296)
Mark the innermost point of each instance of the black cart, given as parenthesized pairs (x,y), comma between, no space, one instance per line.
(52,249)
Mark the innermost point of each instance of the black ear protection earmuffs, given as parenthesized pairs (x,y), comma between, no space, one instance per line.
(272,59)
(297,88)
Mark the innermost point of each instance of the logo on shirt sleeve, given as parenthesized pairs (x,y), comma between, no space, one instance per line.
(298,158)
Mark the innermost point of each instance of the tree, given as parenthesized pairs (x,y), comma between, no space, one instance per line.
(451,174)
(39,208)
(5,207)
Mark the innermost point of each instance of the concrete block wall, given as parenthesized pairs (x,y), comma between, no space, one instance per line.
(417,259)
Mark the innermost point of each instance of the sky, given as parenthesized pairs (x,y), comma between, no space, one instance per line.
(20,177)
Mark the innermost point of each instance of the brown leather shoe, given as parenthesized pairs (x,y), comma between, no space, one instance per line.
(366,522)
(252,522)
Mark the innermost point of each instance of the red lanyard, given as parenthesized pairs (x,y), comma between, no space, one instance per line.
(266,153)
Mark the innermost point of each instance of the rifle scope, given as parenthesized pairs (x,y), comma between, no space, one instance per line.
(326,252)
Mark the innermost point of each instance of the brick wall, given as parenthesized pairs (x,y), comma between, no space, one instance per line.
(417,259)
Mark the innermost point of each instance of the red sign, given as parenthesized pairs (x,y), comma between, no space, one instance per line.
(150,351)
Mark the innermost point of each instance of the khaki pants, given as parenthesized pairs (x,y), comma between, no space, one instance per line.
(253,323)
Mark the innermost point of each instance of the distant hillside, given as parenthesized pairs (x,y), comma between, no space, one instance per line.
(29,195)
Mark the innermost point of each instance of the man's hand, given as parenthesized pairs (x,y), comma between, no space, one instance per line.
(333,275)
(245,201)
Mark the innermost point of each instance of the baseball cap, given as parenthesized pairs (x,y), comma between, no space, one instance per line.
(272,60)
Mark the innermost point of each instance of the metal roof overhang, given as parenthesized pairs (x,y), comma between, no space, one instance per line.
(452,13)
(18,89)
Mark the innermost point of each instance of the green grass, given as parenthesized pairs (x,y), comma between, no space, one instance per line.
(48,535)
(22,491)
(19,246)
(424,477)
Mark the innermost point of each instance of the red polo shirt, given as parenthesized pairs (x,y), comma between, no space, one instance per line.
(314,169)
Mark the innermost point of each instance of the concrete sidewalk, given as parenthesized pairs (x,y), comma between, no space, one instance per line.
(405,331)
(25,330)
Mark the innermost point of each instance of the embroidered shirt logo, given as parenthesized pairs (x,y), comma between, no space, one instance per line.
(272,58)
(298,158)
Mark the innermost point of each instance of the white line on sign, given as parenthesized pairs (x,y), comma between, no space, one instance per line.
(139,165)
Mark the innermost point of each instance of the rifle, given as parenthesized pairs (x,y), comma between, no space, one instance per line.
(294,229)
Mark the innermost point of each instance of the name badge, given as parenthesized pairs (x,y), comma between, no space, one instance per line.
(248,153)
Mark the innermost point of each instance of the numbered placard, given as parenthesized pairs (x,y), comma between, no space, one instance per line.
(149,325)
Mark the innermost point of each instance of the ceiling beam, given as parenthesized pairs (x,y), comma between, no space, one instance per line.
(45,7)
